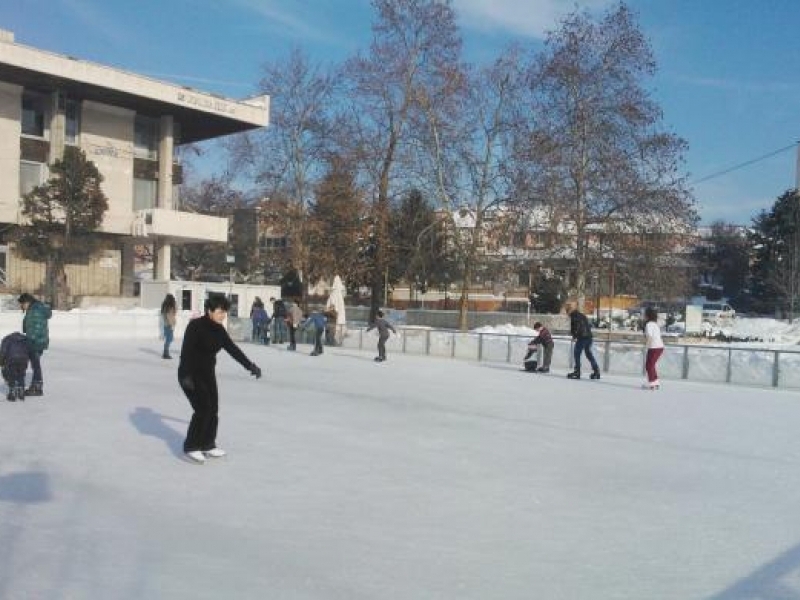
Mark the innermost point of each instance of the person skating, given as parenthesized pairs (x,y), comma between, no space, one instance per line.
(169,317)
(582,335)
(293,319)
(204,338)
(14,363)
(35,328)
(655,346)
(280,334)
(543,341)
(383,326)
(317,321)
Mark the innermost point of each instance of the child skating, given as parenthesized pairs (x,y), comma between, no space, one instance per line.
(14,362)
(383,326)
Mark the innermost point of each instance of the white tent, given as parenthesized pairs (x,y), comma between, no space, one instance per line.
(336,301)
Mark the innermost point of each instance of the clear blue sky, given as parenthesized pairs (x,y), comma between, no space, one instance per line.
(728,79)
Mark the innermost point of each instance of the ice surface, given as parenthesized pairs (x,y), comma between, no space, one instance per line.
(418,478)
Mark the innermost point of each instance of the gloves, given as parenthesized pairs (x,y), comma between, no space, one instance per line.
(255,371)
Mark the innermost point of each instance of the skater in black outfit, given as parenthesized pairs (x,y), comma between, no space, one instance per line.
(204,338)
(582,335)
(383,326)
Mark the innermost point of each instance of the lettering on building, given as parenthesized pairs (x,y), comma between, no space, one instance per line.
(206,103)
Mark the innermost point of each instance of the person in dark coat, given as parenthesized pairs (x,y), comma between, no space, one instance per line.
(14,363)
(318,321)
(582,335)
(543,341)
(204,338)
(35,328)
(383,326)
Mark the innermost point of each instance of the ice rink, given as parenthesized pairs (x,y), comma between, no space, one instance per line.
(419,478)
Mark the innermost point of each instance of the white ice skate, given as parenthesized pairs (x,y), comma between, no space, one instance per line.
(196,456)
(214,453)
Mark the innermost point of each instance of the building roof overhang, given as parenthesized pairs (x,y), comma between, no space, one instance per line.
(201,115)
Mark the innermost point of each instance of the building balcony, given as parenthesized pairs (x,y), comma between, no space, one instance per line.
(178,227)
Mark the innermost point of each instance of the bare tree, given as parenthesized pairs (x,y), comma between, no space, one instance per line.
(414,48)
(597,151)
(288,158)
(469,157)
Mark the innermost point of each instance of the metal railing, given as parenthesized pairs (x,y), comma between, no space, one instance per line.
(761,367)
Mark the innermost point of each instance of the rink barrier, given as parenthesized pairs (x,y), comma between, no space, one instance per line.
(713,363)
(716,363)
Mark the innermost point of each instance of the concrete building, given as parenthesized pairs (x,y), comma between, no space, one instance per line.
(129,126)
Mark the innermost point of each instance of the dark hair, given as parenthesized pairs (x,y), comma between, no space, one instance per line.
(215,301)
(537,325)
(379,313)
(168,303)
(650,314)
(26,297)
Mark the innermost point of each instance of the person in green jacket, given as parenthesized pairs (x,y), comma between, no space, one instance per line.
(35,327)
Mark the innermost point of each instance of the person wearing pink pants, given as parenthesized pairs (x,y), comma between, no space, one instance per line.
(655,347)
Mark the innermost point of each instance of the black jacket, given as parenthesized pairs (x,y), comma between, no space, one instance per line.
(202,341)
(579,325)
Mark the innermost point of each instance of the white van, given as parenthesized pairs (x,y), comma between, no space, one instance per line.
(717,311)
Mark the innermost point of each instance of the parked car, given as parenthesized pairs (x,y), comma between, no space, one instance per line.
(714,312)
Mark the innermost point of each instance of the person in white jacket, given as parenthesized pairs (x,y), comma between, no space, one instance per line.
(655,347)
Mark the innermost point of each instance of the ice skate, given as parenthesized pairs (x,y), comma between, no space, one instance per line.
(543,370)
(196,456)
(12,396)
(655,385)
(35,389)
(595,375)
(574,375)
(214,453)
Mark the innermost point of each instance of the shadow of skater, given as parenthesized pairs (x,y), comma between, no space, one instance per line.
(775,579)
(149,422)
(25,488)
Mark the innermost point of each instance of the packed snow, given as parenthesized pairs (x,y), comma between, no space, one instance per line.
(416,478)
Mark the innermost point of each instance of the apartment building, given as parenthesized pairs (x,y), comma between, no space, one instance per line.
(130,126)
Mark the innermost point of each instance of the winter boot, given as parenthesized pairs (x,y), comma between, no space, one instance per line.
(574,375)
(595,375)
(35,389)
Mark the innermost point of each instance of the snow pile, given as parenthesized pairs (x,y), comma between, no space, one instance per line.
(769,331)
(507,329)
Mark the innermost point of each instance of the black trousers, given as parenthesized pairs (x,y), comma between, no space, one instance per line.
(382,346)
(292,341)
(318,340)
(202,394)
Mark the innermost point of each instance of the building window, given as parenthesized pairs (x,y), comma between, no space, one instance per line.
(34,113)
(72,113)
(145,138)
(145,193)
(273,243)
(31,174)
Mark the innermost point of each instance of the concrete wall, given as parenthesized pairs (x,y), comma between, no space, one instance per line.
(107,138)
(100,276)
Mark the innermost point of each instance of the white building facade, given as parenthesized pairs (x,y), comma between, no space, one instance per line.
(130,127)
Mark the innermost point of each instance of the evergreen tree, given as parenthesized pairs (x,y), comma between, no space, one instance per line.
(63,217)
(775,242)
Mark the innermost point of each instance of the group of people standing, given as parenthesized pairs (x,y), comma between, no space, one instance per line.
(581,332)
(18,350)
